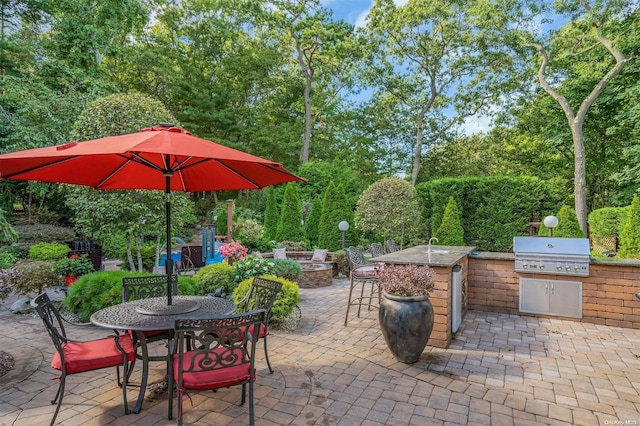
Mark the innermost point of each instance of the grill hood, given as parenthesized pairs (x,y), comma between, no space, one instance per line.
(552,246)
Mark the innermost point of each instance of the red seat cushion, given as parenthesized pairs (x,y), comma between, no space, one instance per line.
(211,379)
(94,354)
(366,271)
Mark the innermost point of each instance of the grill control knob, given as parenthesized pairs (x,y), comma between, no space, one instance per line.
(541,267)
(568,269)
(577,269)
(559,268)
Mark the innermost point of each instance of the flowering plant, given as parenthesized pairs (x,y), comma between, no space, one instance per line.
(73,266)
(233,251)
(405,280)
(252,266)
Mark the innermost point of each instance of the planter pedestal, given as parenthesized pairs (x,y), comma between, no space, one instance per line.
(406,323)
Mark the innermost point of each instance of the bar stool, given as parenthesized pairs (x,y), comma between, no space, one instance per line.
(362,275)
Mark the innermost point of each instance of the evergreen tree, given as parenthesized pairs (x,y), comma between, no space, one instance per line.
(335,209)
(271,216)
(450,232)
(630,234)
(568,226)
(313,222)
(290,227)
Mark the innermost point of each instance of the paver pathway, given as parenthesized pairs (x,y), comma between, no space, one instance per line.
(499,370)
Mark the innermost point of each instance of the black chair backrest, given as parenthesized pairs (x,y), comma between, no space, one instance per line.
(262,295)
(355,257)
(144,287)
(52,321)
(376,249)
(219,342)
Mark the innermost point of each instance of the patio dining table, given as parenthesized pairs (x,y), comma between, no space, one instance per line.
(139,316)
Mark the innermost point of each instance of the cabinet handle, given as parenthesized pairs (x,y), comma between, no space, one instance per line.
(546,289)
(552,289)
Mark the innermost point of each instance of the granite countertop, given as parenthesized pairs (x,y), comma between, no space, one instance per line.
(446,256)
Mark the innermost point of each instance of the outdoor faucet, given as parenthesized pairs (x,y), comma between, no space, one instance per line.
(431,239)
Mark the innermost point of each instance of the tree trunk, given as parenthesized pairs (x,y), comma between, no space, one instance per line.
(132,265)
(417,154)
(576,121)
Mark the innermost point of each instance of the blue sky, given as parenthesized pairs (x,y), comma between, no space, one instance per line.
(353,11)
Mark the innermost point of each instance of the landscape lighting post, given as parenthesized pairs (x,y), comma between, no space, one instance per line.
(343,227)
(550,222)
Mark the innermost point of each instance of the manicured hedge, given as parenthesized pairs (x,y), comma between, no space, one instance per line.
(493,209)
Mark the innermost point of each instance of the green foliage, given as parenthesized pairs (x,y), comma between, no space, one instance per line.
(287,268)
(271,217)
(249,231)
(568,226)
(290,226)
(321,173)
(8,234)
(605,226)
(340,258)
(293,245)
(119,114)
(215,276)
(48,251)
(33,277)
(313,221)
(450,232)
(41,232)
(389,209)
(285,301)
(8,257)
(492,209)
(335,209)
(630,234)
(99,290)
(251,266)
(73,266)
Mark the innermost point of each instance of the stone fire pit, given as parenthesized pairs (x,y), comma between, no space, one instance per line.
(315,275)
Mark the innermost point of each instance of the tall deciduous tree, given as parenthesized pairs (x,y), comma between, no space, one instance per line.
(435,60)
(593,25)
(324,50)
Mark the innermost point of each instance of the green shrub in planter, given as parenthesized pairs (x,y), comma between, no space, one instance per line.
(48,251)
(251,266)
(287,268)
(212,277)
(98,290)
(285,301)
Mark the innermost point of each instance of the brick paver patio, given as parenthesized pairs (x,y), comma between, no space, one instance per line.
(500,369)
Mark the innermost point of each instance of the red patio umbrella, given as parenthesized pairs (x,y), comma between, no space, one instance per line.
(163,157)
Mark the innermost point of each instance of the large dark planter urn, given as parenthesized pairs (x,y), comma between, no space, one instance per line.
(406,323)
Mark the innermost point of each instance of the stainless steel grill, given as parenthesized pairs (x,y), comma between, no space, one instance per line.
(549,255)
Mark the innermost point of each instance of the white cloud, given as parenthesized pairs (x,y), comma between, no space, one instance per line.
(477,124)
(361,21)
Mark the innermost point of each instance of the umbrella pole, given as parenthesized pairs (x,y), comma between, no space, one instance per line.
(167,211)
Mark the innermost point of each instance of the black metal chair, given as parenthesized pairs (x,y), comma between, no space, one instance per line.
(376,249)
(73,356)
(144,287)
(390,246)
(222,356)
(262,295)
(361,274)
